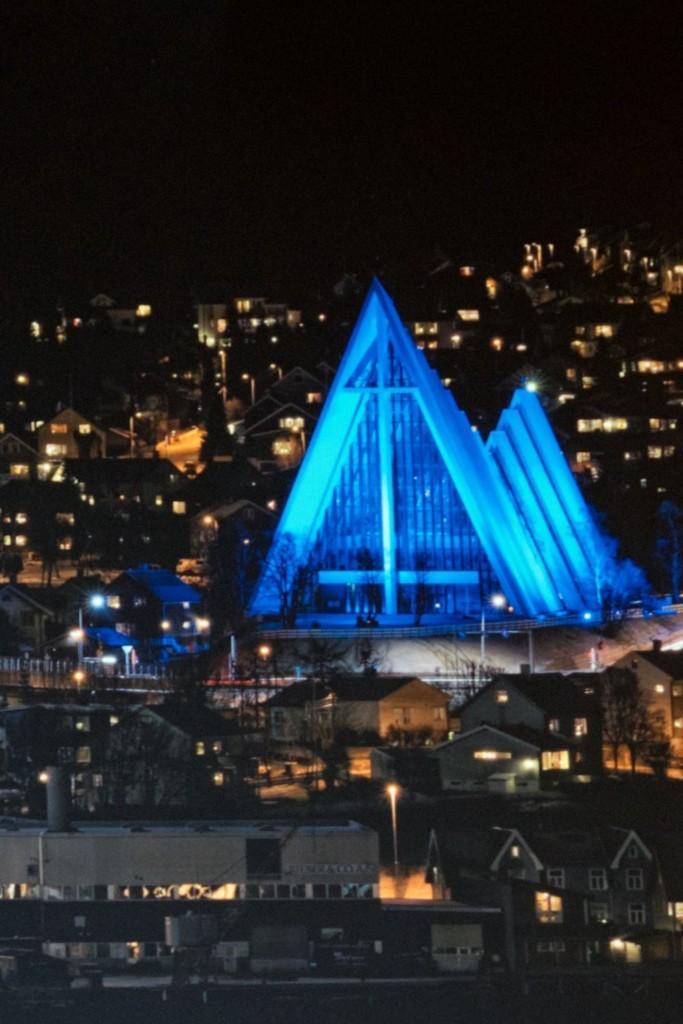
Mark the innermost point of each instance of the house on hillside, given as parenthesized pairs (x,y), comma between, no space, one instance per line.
(68,435)
(369,707)
(160,613)
(572,896)
(504,759)
(549,703)
(27,614)
(660,677)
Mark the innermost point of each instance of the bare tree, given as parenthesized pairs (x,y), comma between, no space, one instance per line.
(627,721)
(669,544)
(289,577)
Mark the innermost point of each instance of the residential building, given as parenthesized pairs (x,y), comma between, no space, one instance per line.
(28,615)
(660,678)
(68,435)
(549,703)
(372,707)
(504,759)
(156,610)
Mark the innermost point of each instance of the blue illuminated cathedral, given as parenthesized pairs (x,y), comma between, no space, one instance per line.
(401,511)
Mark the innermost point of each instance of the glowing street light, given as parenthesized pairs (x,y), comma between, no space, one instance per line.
(264,651)
(393,791)
(498,601)
(252,386)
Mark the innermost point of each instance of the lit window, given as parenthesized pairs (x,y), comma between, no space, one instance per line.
(143,310)
(588,426)
(291,422)
(179,507)
(65,544)
(515,851)
(554,725)
(497,343)
(654,452)
(604,331)
(548,908)
(632,456)
(580,727)
(84,428)
(555,760)
(613,423)
(469,315)
(492,755)
(502,696)
(314,398)
(158,500)
(20,469)
(582,457)
(217,746)
(200,748)
(21,518)
(660,688)
(7,540)
(113,601)
(59,428)
(55,450)
(282,448)
(20,540)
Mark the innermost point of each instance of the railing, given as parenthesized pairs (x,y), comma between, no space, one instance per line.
(59,673)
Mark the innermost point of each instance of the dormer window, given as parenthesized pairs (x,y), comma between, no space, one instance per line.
(502,697)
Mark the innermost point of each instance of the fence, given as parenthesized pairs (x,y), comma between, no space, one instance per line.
(53,673)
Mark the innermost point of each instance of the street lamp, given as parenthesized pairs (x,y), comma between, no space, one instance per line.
(78,634)
(252,386)
(392,792)
(496,601)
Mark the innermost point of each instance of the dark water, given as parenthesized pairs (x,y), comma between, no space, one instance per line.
(569,1001)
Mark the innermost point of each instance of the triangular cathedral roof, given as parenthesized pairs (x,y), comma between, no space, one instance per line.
(538,563)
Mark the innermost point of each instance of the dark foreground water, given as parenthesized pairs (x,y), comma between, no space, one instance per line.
(570,1000)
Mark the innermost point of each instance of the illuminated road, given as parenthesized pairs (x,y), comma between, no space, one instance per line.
(183,448)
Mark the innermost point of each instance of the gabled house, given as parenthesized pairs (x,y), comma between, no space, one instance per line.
(549,703)
(69,435)
(244,520)
(27,614)
(503,759)
(18,459)
(600,889)
(158,611)
(660,677)
(402,709)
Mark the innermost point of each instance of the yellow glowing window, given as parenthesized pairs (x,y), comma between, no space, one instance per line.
(179,507)
(588,426)
(21,518)
(583,456)
(200,748)
(291,422)
(492,755)
(84,428)
(580,727)
(548,908)
(143,310)
(59,428)
(555,760)
(282,448)
(55,450)
(604,331)
(502,697)
(314,398)
(20,540)
(469,315)
(113,601)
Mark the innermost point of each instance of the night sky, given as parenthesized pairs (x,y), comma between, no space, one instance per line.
(153,147)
